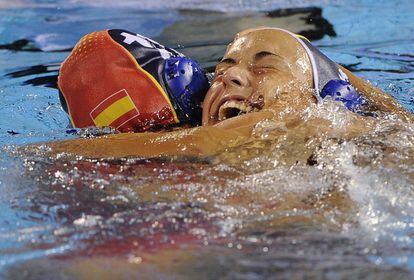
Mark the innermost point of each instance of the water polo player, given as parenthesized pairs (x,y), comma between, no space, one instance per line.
(265,68)
(266,74)
(129,82)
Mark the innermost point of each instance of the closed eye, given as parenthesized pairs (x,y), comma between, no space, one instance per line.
(266,66)
(264,54)
(260,69)
(227,61)
(223,65)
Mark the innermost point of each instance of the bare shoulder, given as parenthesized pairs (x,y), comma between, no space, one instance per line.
(382,100)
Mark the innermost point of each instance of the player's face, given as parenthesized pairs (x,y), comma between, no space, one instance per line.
(258,67)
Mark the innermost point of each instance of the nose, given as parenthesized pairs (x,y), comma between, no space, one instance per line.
(236,77)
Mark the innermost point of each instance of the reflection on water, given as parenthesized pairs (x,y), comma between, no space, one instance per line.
(307,202)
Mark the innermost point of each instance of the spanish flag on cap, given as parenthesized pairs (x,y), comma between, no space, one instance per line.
(104,83)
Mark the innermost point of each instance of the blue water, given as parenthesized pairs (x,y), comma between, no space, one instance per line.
(48,208)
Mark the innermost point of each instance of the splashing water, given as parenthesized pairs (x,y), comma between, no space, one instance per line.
(309,201)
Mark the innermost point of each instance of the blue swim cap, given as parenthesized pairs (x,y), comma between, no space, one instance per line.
(188,85)
(343,91)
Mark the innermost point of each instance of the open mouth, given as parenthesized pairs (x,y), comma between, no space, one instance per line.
(233,108)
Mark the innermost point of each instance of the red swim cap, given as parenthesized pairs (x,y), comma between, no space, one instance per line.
(103,85)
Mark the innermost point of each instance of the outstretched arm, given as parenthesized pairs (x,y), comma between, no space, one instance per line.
(198,141)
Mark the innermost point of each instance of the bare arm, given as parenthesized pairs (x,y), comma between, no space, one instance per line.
(206,140)
(383,101)
(199,141)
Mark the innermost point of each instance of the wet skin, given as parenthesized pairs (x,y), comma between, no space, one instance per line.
(265,75)
(258,79)
(262,69)
(267,69)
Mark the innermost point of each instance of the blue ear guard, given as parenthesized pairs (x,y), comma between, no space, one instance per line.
(187,86)
(343,91)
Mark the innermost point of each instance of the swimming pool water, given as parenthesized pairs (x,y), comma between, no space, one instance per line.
(330,209)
